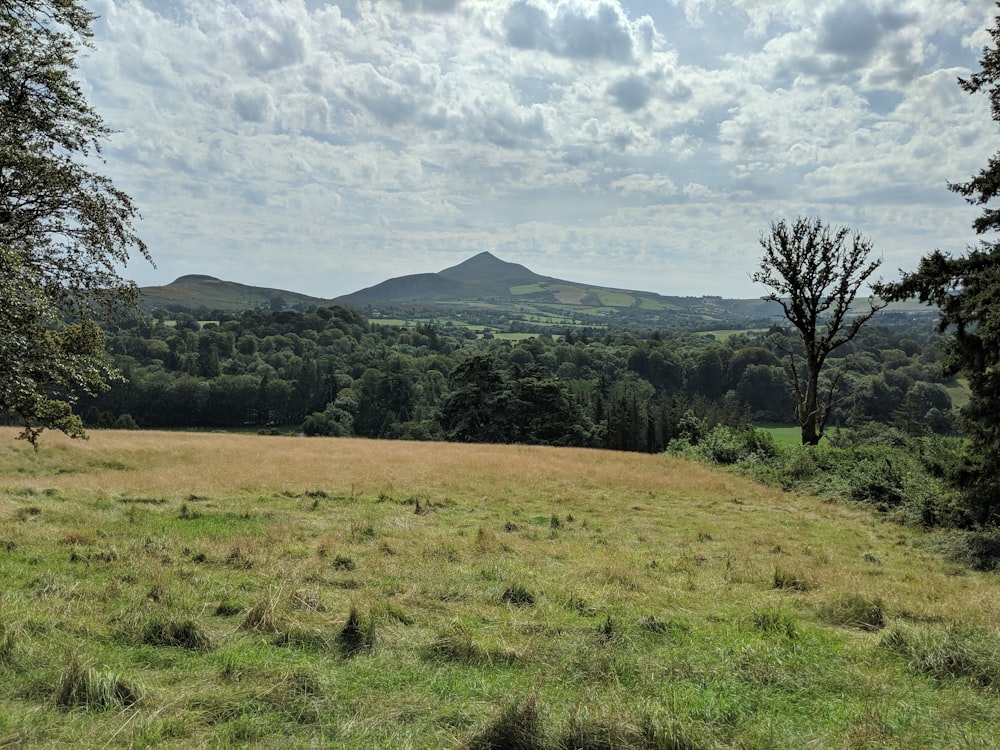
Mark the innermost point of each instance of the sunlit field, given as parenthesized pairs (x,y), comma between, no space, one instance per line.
(210,590)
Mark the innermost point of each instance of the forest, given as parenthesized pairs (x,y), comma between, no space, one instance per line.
(329,371)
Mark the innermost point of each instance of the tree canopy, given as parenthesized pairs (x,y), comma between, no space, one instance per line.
(816,272)
(966,290)
(65,229)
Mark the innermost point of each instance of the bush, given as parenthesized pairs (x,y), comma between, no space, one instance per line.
(731,445)
(979,550)
(878,480)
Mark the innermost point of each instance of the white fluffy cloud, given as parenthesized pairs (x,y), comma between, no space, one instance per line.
(323,146)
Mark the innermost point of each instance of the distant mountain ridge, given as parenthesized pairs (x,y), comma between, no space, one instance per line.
(484,286)
(483,275)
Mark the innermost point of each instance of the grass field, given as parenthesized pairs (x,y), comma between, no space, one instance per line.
(208,590)
(786,436)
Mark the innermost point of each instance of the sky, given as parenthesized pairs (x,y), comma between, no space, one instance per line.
(322,147)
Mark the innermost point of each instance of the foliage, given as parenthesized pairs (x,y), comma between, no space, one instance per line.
(965,290)
(327,372)
(731,445)
(64,229)
(815,274)
(978,550)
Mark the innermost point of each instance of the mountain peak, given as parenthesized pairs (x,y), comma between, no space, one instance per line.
(486,267)
(192,278)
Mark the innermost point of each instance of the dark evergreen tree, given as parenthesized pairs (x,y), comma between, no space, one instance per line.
(966,289)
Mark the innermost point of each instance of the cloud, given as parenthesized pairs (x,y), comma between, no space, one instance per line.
(854,30)
(580,30)
(271,42)
(630,93)
(430,6)
(252,105)
(366,138)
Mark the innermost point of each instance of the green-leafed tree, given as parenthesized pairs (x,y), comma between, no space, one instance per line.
(815,273)
(64,229)
(966,290)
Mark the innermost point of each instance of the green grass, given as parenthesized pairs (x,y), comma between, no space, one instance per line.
(616,299)
(722,335)
(786,436)
(192,590)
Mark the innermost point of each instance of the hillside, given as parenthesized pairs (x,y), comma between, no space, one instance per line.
(195,291)
(487,291)
(486,283)
(483,290)
(177,590)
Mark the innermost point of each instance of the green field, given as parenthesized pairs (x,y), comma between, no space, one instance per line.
(177,590)
(786,436)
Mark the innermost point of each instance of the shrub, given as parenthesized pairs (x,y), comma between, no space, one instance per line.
(731,445)
(878,480)
(979,550)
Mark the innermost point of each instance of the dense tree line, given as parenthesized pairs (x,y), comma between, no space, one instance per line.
(329,372)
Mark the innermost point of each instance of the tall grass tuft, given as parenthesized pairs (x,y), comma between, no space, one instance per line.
(587,732)
(517,595)
(179,634)
(519,727)
(263,617)
(84,687)
(355,637)
(787,580)
(947,652)
(853,611)
(9,636)
(776,623)
(458,645)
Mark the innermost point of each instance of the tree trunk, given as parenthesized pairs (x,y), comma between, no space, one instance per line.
(808,409)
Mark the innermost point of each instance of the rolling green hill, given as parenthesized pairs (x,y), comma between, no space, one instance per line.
(487,291)
(189,293)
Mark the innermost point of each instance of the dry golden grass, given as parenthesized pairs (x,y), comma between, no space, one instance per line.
(541,563)
(718,528)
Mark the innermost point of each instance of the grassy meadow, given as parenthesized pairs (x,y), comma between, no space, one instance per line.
(208,590)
